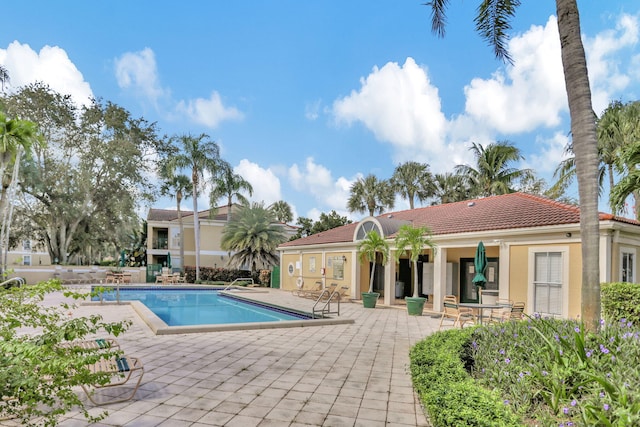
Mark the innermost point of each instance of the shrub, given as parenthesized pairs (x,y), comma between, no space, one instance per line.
(450,395)
(218,274)
(621,301)
(557,373)
(38,376)
(265,277)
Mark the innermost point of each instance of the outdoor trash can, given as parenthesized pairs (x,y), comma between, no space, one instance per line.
(399,289)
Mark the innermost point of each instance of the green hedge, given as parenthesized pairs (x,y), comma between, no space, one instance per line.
(449,394)
(621,301)
(209,274)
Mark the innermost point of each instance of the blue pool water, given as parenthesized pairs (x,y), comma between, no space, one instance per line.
(185,307)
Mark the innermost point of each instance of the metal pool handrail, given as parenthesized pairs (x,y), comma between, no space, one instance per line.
(239,279)
(17,281)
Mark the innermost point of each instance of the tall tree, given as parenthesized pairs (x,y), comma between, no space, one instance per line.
(370,195)
(199,155)
(179,186)
(493,22)
(254,236)
(611,141)
(230,185)
(493,173)
(368,250)
(4,77)
(282,211)
(627,161)
(449,188)
(16,137)
(413,240)
(326,222)
(90,177)
(413,180)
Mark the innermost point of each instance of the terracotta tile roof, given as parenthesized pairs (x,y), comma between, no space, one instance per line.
(163,214)
(515,210)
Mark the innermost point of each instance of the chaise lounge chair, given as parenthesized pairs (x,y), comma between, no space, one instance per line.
(96,344)
(120,370)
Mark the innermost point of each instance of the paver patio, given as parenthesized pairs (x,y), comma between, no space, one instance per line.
(337,375)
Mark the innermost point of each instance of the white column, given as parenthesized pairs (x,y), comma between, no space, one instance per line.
(355,276)
(503,267)
(606,256)
(439,278)
(390,282)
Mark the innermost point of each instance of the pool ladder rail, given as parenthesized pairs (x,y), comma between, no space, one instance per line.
(327,295)
(14,281)
(239,279)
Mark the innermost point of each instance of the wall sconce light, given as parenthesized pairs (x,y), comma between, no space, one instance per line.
(567,234)
(344,258)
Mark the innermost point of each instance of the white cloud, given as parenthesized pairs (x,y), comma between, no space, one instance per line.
(51,65)
(266,185)
(605,59)
(398,104)
(138,71)
(208,112)
(316,181)
(312,110)
(531,93)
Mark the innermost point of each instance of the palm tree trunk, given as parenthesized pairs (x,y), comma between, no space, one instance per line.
(178,200)
(416,294)
(373,271)
(196,222)
(583,129)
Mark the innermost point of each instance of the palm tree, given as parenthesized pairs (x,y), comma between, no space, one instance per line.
(180,186)
(253,235)
(413,240)
(412,180)
(282,211)
(4,77)
(368,250)
(493,173)
(16,137)
(369,194)
(449,188)
(228,184)
(611,140)
(493,22)
(627,160)
(199,154)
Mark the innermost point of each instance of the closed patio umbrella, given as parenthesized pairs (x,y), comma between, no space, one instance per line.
(480,264)
(122,257)
(169,259)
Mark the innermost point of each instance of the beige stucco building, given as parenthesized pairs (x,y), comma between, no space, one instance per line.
(163,237)
(532,244)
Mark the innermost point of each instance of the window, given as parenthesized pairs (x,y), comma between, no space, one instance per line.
(366,227)
(338,268)
(26,245)
(26,260)
(627,265)
(547,283)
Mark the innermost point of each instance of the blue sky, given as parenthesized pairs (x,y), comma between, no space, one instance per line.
(305,97)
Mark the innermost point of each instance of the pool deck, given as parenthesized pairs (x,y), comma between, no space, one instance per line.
(334,375)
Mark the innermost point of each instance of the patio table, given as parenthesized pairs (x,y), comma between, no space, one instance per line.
(480,307)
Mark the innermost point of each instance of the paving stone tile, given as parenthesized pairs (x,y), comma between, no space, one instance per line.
(330,375)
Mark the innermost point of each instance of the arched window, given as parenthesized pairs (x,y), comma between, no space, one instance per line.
(366,227)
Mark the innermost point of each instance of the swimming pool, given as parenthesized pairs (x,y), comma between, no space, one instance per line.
(187,307)
(249,296)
